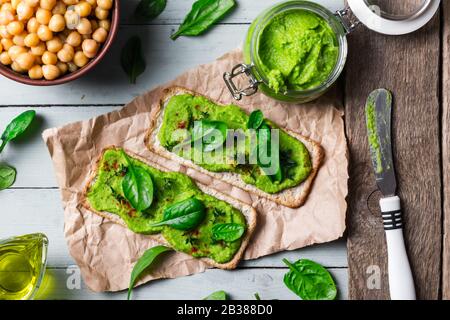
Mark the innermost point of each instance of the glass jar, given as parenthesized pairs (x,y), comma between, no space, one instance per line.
(341,23)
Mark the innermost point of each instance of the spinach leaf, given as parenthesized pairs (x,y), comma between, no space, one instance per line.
(205,131)
(137,186)
(255,120)
(218,295)
(150,9)
(132,60)
(227,232)
(7,176)
(309,280)
(143,263)
(264,136)
(203,15)
(16,127)
(183,215)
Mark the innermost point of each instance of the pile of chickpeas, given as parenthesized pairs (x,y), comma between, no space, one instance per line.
(49,38)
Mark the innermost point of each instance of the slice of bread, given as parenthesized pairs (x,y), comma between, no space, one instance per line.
(293,197)
(248,211)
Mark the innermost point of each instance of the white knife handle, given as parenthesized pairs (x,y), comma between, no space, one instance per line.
(401,283)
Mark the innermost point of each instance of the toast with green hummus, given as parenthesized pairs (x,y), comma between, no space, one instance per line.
(220,235)
(299,157)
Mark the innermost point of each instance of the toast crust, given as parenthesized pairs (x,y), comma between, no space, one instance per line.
(293,197)
(248,211)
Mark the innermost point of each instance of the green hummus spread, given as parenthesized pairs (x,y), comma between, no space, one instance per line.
(183,110)
(106,195)
(298,50)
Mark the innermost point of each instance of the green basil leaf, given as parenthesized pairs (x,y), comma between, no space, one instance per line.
(203,15)
(16,127)
(7,176)
(227,232)
(137,186)
(205,131)
(143,263)
(150,9)
(132,60)
(183,215)
(218,295)
(255,120)
(309,280)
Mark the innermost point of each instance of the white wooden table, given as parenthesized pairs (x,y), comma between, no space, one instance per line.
(33,204)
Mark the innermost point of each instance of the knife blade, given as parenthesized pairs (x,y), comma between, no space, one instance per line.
(378,120)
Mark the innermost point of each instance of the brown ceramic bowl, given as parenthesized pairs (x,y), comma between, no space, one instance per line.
(23,78)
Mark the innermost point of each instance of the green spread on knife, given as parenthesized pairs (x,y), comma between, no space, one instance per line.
(183,110)
(298,50)
(372,133)
(106,195)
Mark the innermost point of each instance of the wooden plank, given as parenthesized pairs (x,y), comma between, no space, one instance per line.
(446,148)
(239,284)
(176,11)
(26,211)
(409,66)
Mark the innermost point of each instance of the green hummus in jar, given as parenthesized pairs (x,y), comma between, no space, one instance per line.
(297,50)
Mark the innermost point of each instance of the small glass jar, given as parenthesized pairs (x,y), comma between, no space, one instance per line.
(341,23)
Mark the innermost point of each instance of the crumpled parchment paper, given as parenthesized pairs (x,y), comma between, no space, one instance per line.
(106,252)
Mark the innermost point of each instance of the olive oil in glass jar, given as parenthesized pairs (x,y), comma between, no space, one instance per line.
(22,266)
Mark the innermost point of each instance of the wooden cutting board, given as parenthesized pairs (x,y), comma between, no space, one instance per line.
(410,67)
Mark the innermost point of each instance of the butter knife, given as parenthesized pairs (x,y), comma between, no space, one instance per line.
(378,120)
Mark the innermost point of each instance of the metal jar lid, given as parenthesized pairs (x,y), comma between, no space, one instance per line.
(394,17)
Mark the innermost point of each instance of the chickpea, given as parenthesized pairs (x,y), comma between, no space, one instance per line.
(14,28)
(54,45)
(4,33)
(15,3)
(44,33)
(47,4)
(25,60)
(66,54)
(84,27)
(105,4)
(93,3)
(101,14)
(43,16)
(20,39)
(15,66)
(72,19)
(90,47)
(74,39)
(49,58)
(80,59)
(83,9)
(5,58)
(59,8)
(72,67)
(50,72)
(39,49)
(63,68)
(31,40)
(105,24)
(35,73)
(32,3)
(6,17)
(57,23)
(100,35)
(24,11)
(8,7)
(6,43)
(32,25)
(14,51)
